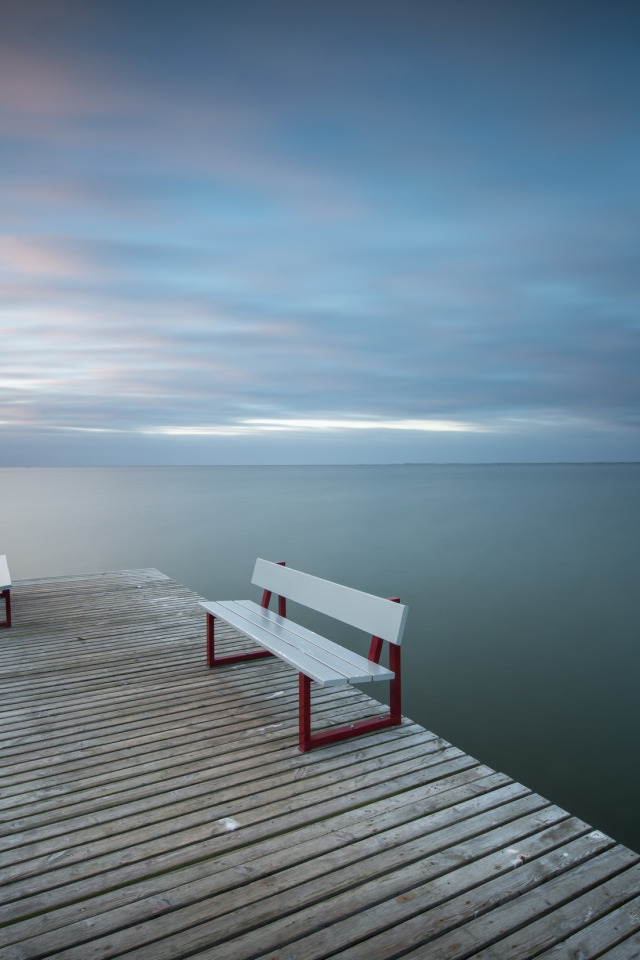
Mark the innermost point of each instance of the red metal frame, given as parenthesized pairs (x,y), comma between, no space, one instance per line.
(306,739)
(7,606)
(213,661)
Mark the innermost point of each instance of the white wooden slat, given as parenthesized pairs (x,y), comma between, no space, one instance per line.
(285,651)
(314,644)
(5,579)
(304,656)
(375,615)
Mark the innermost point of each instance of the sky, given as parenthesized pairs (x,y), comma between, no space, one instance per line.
(365,231)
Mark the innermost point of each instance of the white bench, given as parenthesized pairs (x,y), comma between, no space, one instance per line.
(313,656)
(5,590)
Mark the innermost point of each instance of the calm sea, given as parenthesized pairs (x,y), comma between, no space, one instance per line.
(522,645)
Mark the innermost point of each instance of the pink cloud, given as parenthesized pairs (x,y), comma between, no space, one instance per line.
(46,99)
(40,257)
(36,86)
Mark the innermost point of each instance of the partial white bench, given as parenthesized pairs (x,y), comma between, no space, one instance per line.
(313,656)
(5,590)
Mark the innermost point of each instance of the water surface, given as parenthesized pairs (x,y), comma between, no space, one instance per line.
(522,582)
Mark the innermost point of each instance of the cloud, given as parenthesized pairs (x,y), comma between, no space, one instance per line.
(256,426)
(317,227)
(37,257)
(33,88)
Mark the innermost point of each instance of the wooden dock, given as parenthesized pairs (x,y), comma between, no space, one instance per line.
(156,809)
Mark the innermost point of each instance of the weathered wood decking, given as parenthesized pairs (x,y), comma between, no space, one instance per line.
(155,809)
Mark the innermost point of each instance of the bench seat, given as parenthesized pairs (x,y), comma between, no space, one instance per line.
(320,659)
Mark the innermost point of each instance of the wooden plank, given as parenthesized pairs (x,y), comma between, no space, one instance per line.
(86,850)
(594,935)
(537,925)
(421,912)
(374,615)
(315,852)
(371,897)
(174,797)
(219,852)
(272,721)
(84,781)
(628,949)
(155,808)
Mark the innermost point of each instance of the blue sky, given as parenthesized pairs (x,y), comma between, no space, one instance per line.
(284,232)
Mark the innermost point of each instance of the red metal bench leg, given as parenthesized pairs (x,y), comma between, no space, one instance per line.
(308,740)
(213,661)
(304,712)
(395,686)
(211,640)
(7,606)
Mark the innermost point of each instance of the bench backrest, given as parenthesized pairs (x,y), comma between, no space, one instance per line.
(5,579)
(375,615)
